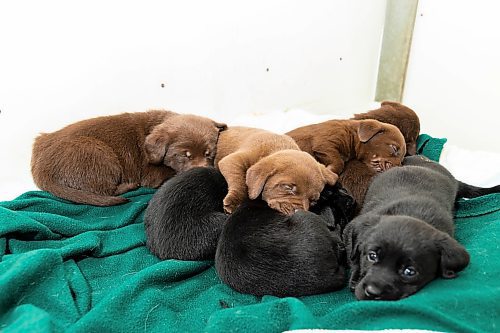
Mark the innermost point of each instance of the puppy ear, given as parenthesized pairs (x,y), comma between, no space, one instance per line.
(454,257)
(220,126)
(156,144)
(330,176)
(368,128)
(257,176)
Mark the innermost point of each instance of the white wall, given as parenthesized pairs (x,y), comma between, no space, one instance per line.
(453,78)
(63,61)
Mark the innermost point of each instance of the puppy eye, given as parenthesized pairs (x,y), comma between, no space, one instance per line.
(409,271)
(188,154)
(290,188)
(372,256)
(395,150)
(208,153)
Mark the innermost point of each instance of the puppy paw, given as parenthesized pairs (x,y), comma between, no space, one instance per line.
(230,203)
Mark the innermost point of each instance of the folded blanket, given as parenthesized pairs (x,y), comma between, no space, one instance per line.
(78,268)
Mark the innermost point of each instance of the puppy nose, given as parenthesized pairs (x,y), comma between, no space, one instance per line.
(372,291)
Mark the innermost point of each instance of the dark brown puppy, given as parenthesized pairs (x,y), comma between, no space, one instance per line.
(356,176)
(334,142)
(400,116)
(258,163)
(95,160)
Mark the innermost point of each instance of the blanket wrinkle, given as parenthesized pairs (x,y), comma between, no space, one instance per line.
(76,268)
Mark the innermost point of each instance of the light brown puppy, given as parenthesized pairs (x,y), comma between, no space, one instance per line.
(95,160)
(334,142)
(400,116)
(256,162)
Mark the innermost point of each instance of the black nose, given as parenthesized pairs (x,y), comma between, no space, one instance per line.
(373,291)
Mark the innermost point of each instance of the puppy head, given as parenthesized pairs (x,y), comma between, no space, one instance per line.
(400,116)
(381,146)
(183,142)
(288,180)
(399,255)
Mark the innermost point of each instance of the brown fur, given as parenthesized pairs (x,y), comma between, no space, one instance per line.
(95,160)
(334,142)
(256,162)
(400,116)
(357,176)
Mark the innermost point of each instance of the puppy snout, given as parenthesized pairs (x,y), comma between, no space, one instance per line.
(372,291)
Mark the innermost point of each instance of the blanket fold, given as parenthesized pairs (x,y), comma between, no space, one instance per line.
(78,268)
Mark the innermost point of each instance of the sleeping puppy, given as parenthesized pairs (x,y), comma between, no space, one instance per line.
(356,176)
(95,160)
(400,116)
(263,252)
(184,218)
(403,237)
(334,142)
(258,163)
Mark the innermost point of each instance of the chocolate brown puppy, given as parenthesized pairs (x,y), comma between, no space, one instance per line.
(258,163)
(334,142)
(400,116)
(356,176)
(95,160)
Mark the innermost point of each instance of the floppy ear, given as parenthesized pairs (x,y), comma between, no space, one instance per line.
(156,144)
(257,176)
(368,128)
(220,126)
(454,257)
(330,176)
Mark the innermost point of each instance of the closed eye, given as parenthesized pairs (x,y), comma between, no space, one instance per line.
(394,150)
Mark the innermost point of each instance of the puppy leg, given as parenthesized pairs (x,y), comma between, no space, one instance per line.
(234,167)
(331,159)
(155,175)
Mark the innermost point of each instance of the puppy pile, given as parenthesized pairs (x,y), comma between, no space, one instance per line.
(274,211)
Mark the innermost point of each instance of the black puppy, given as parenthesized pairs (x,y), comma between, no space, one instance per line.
(185,216)
(263,252)
(403,237)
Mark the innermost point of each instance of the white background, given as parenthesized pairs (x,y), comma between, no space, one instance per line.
(235,61)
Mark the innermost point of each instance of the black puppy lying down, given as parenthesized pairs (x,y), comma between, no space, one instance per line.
(263,252)
(403,237)
(185,216)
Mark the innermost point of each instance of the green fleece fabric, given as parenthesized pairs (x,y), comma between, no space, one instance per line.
(78,268)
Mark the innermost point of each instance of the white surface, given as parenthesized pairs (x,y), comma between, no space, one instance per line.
(255,63)
(64,61)
(453,78)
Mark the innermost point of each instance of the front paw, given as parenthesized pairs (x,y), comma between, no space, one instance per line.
(230,203)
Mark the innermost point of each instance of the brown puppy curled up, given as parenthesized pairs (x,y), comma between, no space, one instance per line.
(356,176)
(257,162)
(95,160)
(334,142)
(400,116)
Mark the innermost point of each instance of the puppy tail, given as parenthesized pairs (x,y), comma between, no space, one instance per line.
(81,196)
(470,191)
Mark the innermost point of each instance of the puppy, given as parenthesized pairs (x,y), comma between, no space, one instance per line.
(184,218)
(403,237)
(256,163)
(356,176)
(263,252)
(334,142)
(95,160)
(400,116)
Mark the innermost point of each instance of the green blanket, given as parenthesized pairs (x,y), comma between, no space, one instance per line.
(78,268)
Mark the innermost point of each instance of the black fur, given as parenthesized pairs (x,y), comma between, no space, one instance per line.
(185,216)
(403,237)
(263,252)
